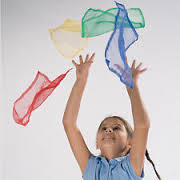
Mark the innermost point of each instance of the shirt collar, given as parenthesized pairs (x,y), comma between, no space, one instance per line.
(100,158)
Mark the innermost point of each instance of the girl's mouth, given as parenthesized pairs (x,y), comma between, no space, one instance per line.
(108,137)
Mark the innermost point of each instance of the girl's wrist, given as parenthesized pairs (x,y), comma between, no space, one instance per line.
(82,78)
(135,88)
(81,82)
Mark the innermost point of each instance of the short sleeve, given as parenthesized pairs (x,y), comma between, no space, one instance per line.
(127,166)
(90,167)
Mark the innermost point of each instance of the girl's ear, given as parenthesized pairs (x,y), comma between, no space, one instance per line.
(128,147)
(129,143)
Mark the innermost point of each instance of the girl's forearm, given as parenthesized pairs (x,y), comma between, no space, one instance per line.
(139,112)
(73,104)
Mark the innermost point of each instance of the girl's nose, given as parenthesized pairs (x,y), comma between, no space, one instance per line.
(108,130)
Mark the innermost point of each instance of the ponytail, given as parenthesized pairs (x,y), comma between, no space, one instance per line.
(149,159)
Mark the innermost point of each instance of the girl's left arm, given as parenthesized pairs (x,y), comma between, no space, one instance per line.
(141,123)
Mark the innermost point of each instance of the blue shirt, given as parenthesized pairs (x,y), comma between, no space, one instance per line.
(98,168)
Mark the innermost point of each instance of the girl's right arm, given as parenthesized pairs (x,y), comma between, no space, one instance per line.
(75,138)
(141,122)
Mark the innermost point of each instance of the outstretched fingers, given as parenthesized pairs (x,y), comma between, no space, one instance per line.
(81,59)
(137,70)
(139,66)
(143,70)
(87,58)
(133,64)
(92,57)
(74,63)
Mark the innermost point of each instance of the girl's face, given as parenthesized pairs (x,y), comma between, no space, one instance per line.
(112,133)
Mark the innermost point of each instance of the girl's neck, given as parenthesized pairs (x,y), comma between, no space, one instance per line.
(109,155)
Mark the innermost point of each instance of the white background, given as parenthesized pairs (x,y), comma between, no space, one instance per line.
(41,149)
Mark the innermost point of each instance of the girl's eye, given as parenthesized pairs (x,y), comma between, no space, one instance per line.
(116,128)
(104,128)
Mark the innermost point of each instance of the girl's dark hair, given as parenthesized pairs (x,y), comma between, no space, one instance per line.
(130,133)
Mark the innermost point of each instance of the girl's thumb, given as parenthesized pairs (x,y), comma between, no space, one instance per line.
(74,63)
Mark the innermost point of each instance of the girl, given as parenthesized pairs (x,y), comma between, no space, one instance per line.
(122,149)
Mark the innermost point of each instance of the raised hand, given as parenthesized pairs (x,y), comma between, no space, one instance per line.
(82,69)
(136,71)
